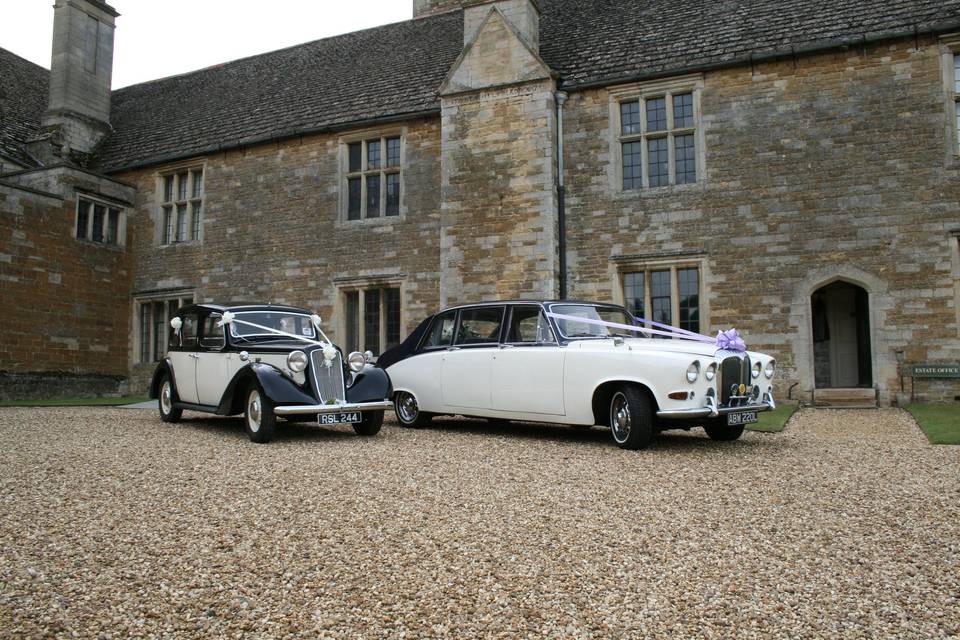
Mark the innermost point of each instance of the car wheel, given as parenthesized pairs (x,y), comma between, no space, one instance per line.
(258,417)
(721,431)
(408,411)
(631,418)
(370,423)
(168,413)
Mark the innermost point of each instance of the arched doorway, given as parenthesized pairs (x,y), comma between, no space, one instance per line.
(841,336)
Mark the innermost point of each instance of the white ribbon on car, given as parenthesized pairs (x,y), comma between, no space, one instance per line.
(329,351)
(730,339)
(176,323)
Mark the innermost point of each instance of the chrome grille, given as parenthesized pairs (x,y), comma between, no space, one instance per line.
(733,370)
(327,381)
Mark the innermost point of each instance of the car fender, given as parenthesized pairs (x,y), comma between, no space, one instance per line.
(164,366)
(369,385)
(278,388)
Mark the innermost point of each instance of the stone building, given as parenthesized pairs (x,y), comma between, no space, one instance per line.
(788,168)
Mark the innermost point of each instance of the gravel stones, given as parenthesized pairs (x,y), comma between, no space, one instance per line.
(114,524)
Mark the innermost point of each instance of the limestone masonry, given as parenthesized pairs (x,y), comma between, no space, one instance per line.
(806,194)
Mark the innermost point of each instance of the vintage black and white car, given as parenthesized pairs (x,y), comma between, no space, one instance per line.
(577,363)
(265,361)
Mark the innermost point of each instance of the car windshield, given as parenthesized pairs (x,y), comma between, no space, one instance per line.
(593,313)
(292,323)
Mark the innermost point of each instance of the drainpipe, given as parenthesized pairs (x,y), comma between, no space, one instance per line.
(561,196)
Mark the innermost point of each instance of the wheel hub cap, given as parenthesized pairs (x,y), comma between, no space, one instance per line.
(253,411)
(165,401)
(620,417)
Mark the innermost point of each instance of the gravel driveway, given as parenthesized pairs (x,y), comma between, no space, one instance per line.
(114,524)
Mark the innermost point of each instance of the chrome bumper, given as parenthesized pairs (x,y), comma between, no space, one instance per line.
(290,410)
(713,411)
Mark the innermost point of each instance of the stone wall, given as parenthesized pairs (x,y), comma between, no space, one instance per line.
(274,230)
(826,167)
(64,301)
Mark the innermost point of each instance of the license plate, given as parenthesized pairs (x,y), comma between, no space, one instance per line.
(349,417)
(744,417)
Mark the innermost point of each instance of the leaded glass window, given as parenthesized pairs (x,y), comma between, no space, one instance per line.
(99,222)
(182,206)
(372,319)
(667,295)
(373,178)
(658,140)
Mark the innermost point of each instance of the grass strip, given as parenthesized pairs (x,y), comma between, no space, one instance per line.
(74,402)
(939,422)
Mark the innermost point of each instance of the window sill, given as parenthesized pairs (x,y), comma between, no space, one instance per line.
(372,222)
(185,243)
(120,248)
(659,192)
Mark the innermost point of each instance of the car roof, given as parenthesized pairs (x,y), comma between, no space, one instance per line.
(245,306)
(494,303)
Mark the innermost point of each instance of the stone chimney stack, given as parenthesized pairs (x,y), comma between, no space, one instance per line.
(523,15)
(81,70)
(423,8)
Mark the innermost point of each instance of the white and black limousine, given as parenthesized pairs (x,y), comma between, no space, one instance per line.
(265,361)
(517,361)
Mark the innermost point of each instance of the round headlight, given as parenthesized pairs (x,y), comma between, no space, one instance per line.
(711,371)
(693,371)
(356,361)
(769,369)
(755,370)
(297,361)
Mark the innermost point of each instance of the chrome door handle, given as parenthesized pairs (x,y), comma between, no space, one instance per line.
(506,346)
(453,348)
(194,356)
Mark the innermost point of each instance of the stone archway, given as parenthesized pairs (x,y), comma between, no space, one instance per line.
(841,332)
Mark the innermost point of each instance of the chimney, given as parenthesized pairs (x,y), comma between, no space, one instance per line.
(78,114)
(422,8)
(523,15)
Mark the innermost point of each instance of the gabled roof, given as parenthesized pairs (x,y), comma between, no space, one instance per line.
(23,99)
(389,71)
(395,71)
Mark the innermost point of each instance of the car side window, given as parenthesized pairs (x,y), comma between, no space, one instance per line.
(188,332)
(529,325)
(480,326)
(441,332)
(212,336)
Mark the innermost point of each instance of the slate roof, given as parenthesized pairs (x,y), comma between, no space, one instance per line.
(604,41)
(23,99)
(394,71)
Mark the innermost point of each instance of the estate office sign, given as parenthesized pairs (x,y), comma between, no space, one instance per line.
(936,371)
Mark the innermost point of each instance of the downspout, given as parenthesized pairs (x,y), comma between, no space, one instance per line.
(561,197)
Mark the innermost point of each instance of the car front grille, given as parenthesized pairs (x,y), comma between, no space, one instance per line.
(327,381)
(734,370)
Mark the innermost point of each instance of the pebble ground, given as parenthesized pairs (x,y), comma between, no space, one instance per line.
(114,524)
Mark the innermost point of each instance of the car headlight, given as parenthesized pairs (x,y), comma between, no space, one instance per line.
(755,370)
(711,372)
(357,361)
(769,369)
(693,371)
(297,361)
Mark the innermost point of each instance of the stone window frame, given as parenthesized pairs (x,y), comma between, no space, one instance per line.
(649,264)
(120,242)
(641,91)
(156,346)
(382,134)
(955,263)
(193,203)
(358,287)
(950,58)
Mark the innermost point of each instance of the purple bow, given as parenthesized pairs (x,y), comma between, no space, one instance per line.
(730,340)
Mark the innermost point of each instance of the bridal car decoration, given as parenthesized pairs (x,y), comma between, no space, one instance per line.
(578,363)
(265,361)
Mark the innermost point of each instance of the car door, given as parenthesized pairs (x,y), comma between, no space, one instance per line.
(183,356)
(213,372)
(527,369)
(466,369)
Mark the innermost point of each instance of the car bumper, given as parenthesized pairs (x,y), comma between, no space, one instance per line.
(713,411)
(290,410)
